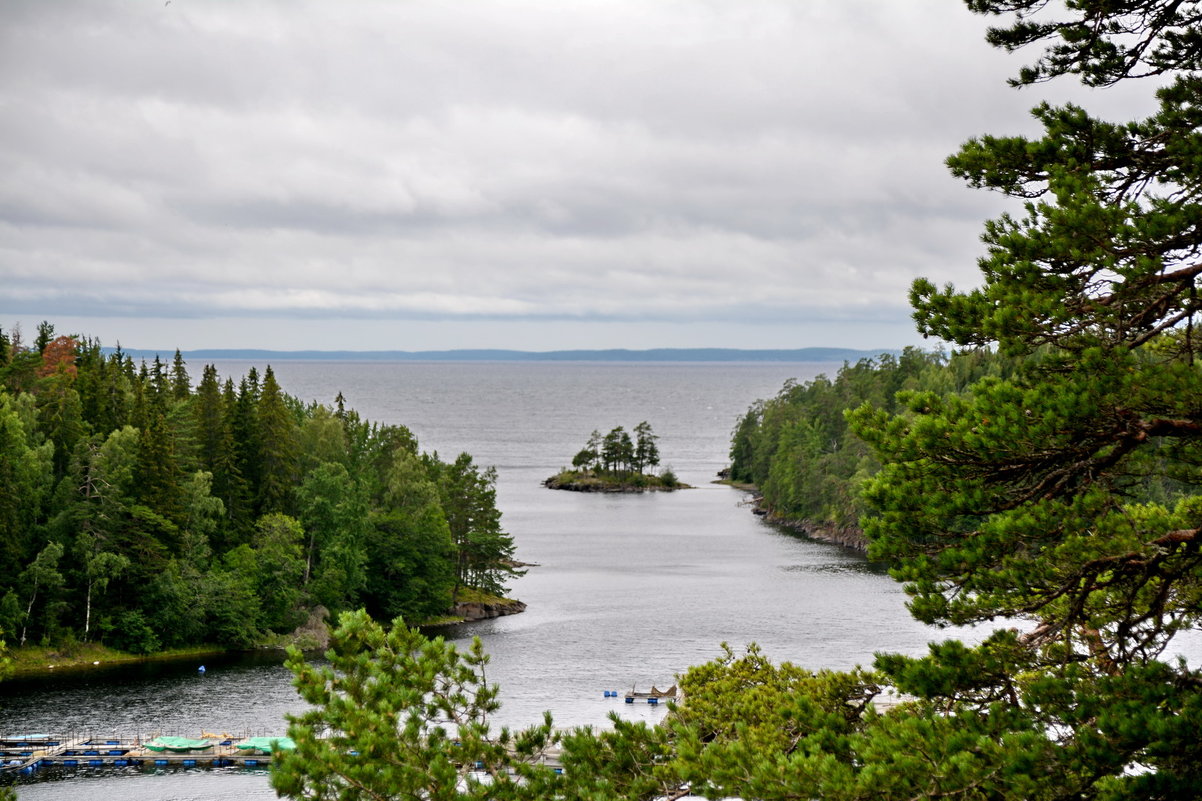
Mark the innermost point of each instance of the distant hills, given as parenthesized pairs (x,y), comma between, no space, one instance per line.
(485,355)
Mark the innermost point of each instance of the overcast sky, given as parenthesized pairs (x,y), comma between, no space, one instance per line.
(532,174)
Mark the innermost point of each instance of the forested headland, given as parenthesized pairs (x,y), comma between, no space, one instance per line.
(147,511)
(799,450)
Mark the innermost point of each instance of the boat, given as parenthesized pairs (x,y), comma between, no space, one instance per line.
(178,745)
(266,745)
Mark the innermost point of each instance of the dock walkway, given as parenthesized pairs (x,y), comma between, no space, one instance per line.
(28,754)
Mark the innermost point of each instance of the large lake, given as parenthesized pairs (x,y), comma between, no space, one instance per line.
(628,590)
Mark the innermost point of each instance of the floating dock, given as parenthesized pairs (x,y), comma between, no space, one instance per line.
(653,697)
(25,754)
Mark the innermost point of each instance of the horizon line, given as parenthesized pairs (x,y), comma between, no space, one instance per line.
(809,354)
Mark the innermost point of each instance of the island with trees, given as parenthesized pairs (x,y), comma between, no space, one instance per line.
(617,462)
(140,513)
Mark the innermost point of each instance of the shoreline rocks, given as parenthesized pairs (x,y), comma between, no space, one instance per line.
(594,484)
(846,536)
(475,610)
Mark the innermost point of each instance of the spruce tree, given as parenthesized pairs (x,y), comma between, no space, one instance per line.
(244,430)
(181,383)
(210,418)
(228,482)
(278,451)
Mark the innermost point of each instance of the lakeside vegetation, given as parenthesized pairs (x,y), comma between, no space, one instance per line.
(144,514)
(799,451)
(616,462)
(1053,493)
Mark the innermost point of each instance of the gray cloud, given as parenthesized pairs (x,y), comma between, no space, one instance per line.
(588,172)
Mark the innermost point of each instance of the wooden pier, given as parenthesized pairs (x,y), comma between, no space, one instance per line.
(25,755)
(18,755)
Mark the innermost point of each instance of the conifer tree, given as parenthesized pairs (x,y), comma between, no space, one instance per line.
(181,383)
(278,455)
(228,482)
(646,452)
(209,410)
(469,500)
(45,335)
(158,386)
(26,472)
(1028,498)
(244,429)
(158,473)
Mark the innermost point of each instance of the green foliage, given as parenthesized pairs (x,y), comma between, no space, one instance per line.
(133,633)
(1064,494)
(334,512)
(797,449)
(278,457)
(469,500)
(279,567)
(617,454)
(395,715)
(215,514)
(6,662)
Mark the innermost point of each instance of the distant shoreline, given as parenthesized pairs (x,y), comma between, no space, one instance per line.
(496,355)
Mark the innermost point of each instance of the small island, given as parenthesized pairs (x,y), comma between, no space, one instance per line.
(616,462)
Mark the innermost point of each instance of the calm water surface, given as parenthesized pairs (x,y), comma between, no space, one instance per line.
(628,590)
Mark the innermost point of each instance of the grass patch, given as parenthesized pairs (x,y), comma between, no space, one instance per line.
(33,660)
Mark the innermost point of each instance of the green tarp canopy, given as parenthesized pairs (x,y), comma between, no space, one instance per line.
(178,744)
(267,744)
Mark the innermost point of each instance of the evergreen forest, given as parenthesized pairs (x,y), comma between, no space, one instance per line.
(145,510)
(800,450)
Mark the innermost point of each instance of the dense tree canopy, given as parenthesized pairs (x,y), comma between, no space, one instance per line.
(145,513)
(617,453)
(797,448)
(617,462)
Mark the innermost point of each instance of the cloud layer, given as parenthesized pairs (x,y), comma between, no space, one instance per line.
(505,174)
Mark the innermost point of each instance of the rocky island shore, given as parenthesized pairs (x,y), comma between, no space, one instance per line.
(583,481)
